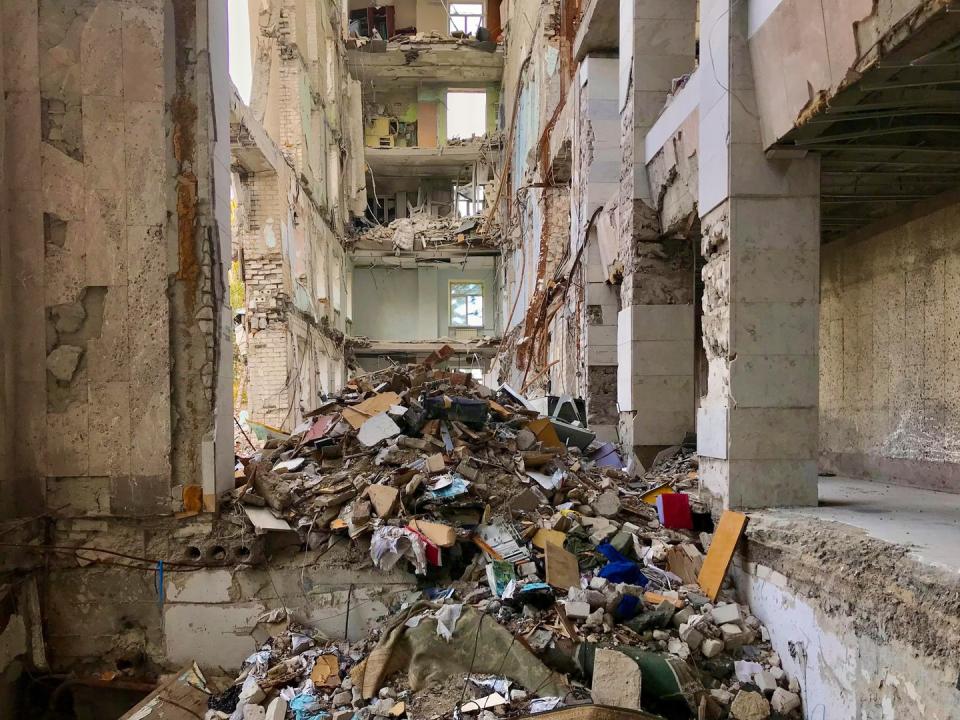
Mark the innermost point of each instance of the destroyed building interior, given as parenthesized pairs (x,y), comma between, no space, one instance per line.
(421,359)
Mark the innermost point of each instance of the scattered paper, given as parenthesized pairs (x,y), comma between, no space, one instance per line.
(447,618)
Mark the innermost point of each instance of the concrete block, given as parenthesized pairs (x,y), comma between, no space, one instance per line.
(784,701)
(576,610)
(616,680)
(774,328)
(103,156)
(277,709)
(773,433)
(654,427)
(656,323)
(145,162)
(207,586)
(143,43)
(109,428)
(711,647)
(733,636)
(78,496)
(727,613)
(765,681)
(602,355)
(691,636)
(781,381)
(661,357)
(213,635)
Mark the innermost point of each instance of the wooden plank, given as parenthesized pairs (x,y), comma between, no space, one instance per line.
(182,698)
(358,414)
(563,570)
(724,544)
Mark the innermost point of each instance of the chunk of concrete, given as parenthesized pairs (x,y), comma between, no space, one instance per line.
(732,635)
(577,610)
(607,504)
(342,698)
(616,680)
(277,709)
(749,706)
(765,681)
(711,647)
(691,636)
(254,712)
(377,429)
(252,694)
(723,614)
(63,361)
(784,701)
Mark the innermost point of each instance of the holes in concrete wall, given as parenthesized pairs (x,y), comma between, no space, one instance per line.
(217,553)
(193,553)
(242,552)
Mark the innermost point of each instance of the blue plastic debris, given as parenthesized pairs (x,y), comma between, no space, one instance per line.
(620,569)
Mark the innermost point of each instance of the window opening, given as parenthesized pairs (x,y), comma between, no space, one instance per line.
(466,304)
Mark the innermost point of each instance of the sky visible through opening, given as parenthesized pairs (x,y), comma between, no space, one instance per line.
(241,71)
(466,114)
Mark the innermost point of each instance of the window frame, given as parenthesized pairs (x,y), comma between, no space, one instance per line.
(452,24)
(450,296)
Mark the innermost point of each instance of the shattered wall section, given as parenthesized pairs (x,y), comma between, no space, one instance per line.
(832,44)
(890,353)
(298,181)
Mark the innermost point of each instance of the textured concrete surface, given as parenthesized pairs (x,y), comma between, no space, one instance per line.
(890,354)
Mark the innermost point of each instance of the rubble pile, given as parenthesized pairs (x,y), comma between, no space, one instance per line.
(551,575)
(422,231)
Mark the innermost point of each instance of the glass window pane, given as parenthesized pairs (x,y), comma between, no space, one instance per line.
(475,311)
(458,311)
(466,289)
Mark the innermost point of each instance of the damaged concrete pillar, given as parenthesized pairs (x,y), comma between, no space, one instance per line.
(655,337)
(757,425)
(117,157)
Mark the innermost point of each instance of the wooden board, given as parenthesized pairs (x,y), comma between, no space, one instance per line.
(182,698)
(358,414)
(563,570)
(685,561)
(724,545)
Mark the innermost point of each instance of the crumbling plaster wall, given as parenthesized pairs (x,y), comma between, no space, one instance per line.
(298,192)
(890,353)
(804,53)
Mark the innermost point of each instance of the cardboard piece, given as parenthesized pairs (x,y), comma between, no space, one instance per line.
(544,431)
(546,536)
(358,414)
(265,521)
(674,511)
(377,429)
(651,495)
(182,698)
(192,498)
(326,671)
(384,499)
(490,701)
(685,560)
(434,463)
(439,534)
(725,538)
(563,570)
(656,598)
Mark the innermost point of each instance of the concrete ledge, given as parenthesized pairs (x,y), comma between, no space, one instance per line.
(869,631)
(944,477)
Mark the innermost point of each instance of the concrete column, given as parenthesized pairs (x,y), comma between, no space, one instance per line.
(655,339)
(757,426)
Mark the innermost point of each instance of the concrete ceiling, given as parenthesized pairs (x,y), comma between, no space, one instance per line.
(892,139)
(397,169)
(413,63)
(599,29)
